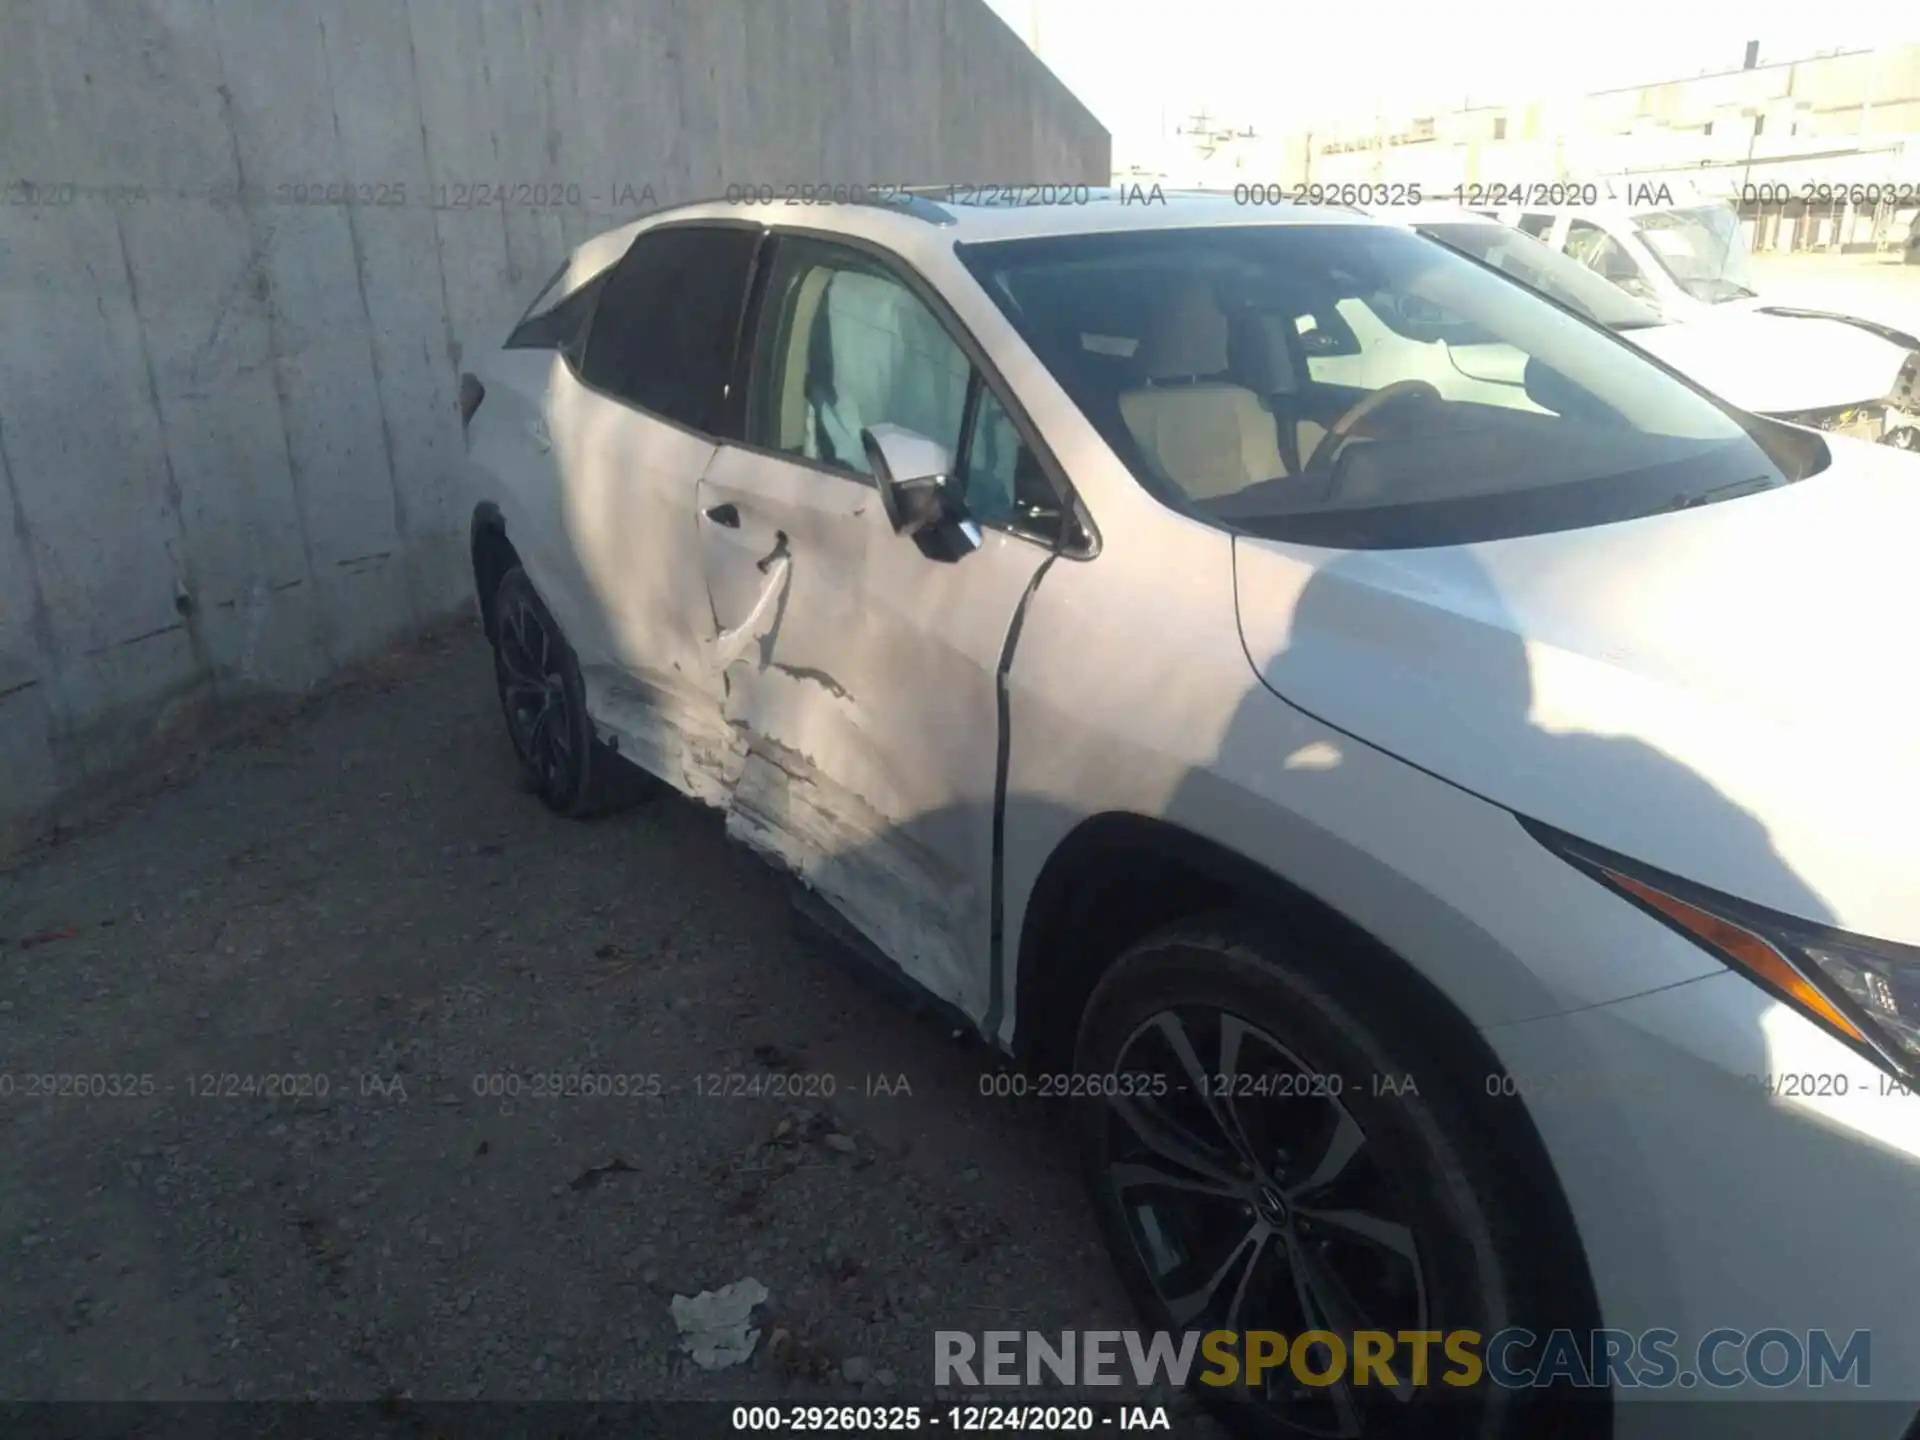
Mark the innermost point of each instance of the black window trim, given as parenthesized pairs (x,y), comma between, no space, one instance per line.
(541,294)
(1079,540)
(586,337)
(588,289)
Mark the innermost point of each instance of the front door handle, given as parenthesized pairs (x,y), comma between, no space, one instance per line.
(727,515)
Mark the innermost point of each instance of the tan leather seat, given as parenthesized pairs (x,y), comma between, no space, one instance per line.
(1208,437)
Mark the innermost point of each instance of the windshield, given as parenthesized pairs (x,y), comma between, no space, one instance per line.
(1702,248)
(1548,271)
(1365,387)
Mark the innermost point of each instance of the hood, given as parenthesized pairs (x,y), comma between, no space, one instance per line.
(1775,364)
(1727,693)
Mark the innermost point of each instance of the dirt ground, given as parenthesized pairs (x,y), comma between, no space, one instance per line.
(363,902)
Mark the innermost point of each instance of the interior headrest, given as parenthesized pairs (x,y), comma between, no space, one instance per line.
(1187,334)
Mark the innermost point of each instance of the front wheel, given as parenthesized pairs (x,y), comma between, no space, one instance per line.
(1262,1157)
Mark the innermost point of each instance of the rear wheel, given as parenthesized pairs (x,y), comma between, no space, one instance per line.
(544,701)
(1264,1154)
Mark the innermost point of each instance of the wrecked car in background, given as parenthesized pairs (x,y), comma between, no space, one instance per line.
(1684,257)
(1831,372)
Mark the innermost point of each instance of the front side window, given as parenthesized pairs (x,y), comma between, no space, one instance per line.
(849,346)
(1444,404)
(846,344)
(999,474)
(663,333)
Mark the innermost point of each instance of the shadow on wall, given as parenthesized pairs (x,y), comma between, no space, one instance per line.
(250,243)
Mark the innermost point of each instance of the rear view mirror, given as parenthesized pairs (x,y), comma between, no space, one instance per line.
(915,480)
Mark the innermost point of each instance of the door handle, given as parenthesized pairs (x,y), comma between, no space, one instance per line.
(727,515)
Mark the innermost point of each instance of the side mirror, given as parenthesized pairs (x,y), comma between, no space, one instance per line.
(914,477)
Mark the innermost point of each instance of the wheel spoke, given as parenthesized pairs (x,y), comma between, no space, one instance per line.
(1262,1235)
(1246,1253)
(1344,1315)
(1198,1077)
(1317,1316)
(516,653)
(1348,1140)
(1384,1234)
(1139,1175)
(1233,1030)
(539,742)
(1168,1139)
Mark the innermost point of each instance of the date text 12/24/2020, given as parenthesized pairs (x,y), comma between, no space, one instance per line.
(964,1419)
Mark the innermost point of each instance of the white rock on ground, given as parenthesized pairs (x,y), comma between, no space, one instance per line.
(716,1326)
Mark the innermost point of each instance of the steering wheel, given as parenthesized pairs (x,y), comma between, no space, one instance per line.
(1320,463)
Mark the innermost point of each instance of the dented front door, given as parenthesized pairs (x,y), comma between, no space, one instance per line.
(860,680)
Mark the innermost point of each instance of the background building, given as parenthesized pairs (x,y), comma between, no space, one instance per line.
(1800,144)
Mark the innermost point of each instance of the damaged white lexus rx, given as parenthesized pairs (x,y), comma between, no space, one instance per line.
(1442,786)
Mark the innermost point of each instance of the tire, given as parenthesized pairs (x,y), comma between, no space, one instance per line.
(1439,1250)
(544,703)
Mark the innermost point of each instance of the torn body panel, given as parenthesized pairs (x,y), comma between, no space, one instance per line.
(641,628)
(862,678)
(688,745)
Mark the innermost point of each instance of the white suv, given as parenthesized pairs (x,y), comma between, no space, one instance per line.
(1453,838)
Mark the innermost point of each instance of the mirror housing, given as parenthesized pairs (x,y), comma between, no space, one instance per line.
(914,477)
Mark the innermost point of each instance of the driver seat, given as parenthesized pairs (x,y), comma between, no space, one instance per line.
(1208,436)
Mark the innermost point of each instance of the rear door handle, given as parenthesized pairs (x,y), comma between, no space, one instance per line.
(727,515)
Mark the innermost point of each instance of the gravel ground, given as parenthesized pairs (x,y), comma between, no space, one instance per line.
(364,900)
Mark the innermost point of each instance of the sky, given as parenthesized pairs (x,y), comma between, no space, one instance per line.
(1141,65)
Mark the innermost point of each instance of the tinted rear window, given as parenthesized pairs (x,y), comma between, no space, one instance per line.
(664,331)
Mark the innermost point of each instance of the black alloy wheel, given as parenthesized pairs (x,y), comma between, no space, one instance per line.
(543,699)
(1262,1160)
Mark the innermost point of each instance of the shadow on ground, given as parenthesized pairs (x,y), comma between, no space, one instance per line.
(363,902)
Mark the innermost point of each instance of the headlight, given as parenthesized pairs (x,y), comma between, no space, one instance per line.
(1866,992)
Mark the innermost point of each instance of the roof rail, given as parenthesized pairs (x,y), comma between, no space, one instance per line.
(909,201)
(915,200)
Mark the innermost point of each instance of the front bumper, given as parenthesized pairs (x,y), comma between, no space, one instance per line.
(1709,1197)
(1871,421)
(1894,420)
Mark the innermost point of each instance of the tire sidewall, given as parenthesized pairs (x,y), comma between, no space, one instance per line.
(566,793)
(1236,969)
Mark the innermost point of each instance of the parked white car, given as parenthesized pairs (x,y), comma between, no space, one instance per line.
(1452,839)
(1683,272)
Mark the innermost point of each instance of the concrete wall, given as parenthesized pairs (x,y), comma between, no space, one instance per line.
(228,426)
